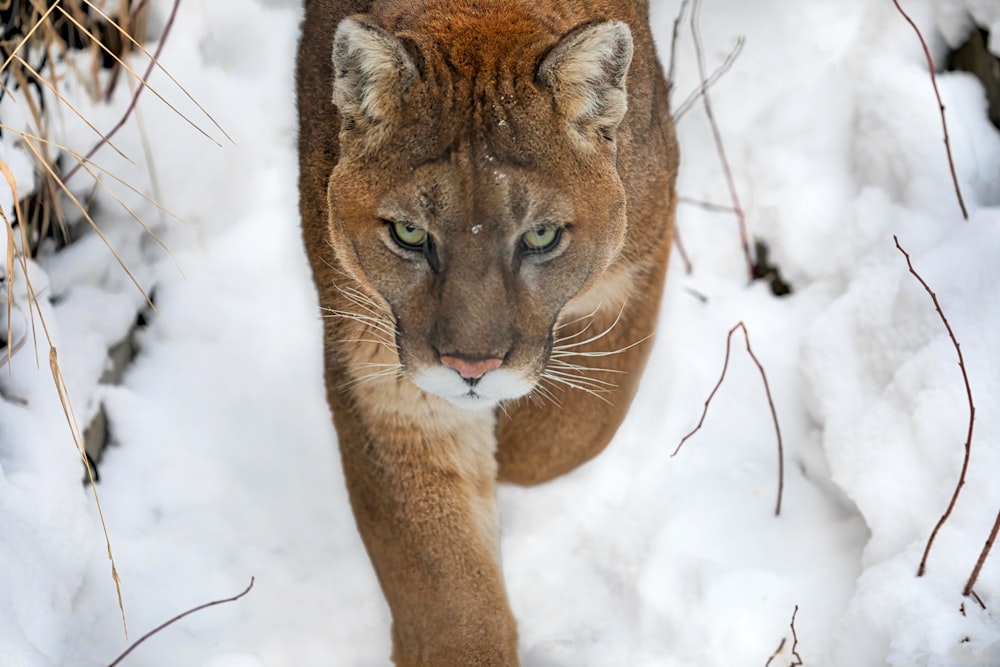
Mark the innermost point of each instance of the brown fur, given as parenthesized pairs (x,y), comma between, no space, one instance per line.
(475,122)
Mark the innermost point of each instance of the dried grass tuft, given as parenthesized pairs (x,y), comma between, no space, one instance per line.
(44,43)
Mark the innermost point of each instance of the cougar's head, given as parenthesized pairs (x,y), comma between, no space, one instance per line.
(476,191)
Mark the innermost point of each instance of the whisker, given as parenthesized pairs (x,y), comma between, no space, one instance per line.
(367,320)
(574,385)
(558,353)
(589,316)
(544,393)
(363,300)
(369,377)
(561,364)
(592,383)
(592,339)
(374,341)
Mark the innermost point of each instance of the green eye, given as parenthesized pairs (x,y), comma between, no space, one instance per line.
(541,239)
(408,236)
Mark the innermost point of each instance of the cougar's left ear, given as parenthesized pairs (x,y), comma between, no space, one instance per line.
(372,70)
(586,72)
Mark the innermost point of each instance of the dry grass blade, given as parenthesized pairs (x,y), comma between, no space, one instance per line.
(143,80)
(11,255)
(27,37)
(135,96)
(79,157)
(9,277)
(74,428)
(62,186)
(104,139)
(9,264)
(155,60)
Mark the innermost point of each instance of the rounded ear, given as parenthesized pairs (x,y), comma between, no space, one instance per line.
(586,72)
(372,70)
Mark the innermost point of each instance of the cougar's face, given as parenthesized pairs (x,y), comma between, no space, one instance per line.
(474,260)
(476,193)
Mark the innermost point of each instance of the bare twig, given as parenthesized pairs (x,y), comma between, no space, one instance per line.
(796,658)
(673,42)
(682,251)
(135,97)
(937,94)
(777,652)
(770,401)
(686,105)
(967,591)
(795,641)
(720,148)
(712,207)
(972,410)
(177,618)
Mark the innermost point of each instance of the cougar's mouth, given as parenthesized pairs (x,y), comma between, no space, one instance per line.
(480,393)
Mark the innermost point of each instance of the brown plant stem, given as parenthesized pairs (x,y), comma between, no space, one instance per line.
(937,94)
(712,207)
(770,401)
(720,148)
(967,591)
(135,97)
(795,641)
(176,618)
(673,42)
(777,652)
(972,411)
(682,251)
(796,658)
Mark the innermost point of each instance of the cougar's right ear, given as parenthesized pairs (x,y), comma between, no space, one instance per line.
(372,70)
(586,71)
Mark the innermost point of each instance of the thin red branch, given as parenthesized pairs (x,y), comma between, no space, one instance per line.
(777,652)
(682,251)
(177,618)
(967,591)
(712,79)
(135,97)
(937,94)
(972,411)
(795,641)
(796,658)
(720,148)
(770,401)
(712,207)
(673,42)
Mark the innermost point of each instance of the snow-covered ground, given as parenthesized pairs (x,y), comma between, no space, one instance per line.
(223,465)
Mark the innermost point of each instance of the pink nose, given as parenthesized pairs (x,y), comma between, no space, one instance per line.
(471,370)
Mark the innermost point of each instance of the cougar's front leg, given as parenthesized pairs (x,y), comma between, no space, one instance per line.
(421,476)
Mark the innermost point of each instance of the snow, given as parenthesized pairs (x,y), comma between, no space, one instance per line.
(223,464)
